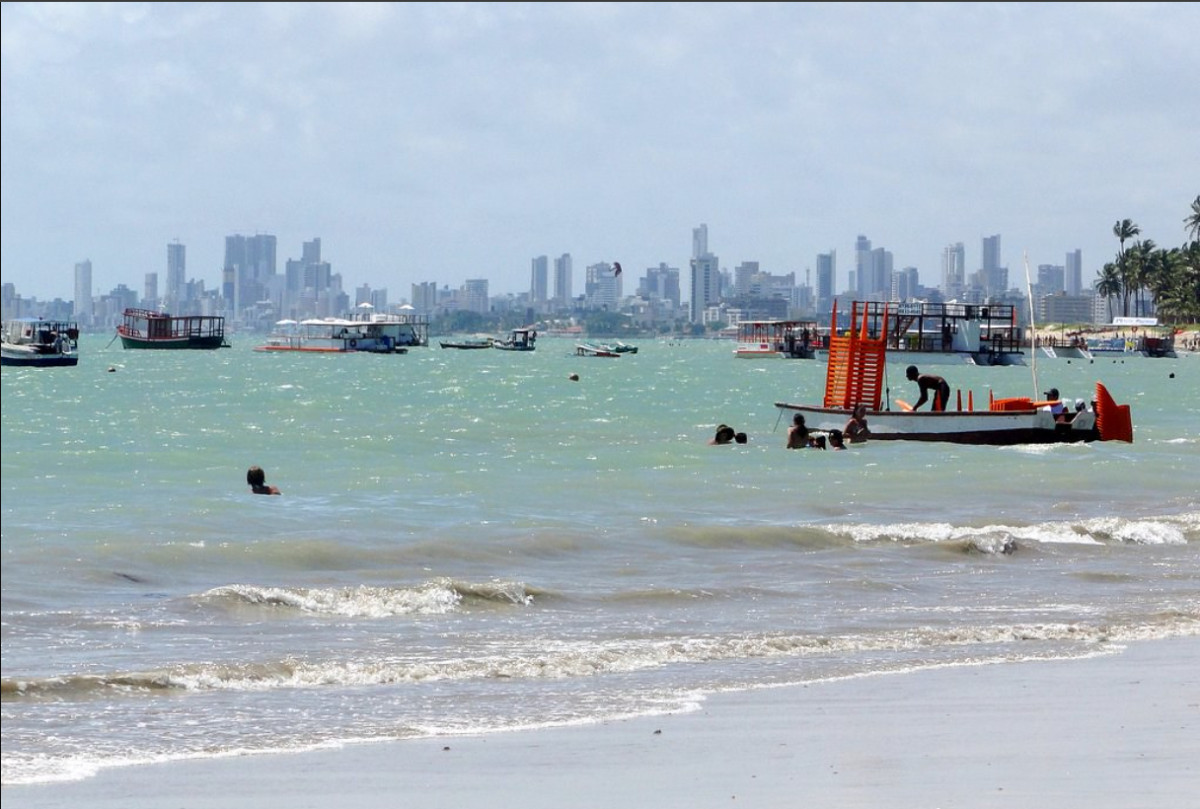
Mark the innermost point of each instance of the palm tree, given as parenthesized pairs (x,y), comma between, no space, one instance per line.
(1178,293)
(1109,285)
(1124,229)
(1193,221)
(1141,260)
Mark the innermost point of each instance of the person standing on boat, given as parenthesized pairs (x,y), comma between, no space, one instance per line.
(856,428)
(257,479)
(929,384)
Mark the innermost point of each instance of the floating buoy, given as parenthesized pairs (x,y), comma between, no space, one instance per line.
(573,377)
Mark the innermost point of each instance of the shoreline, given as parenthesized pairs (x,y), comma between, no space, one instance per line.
(1118,731)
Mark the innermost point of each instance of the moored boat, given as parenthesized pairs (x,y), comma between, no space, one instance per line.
(589,350)
(467,344)
(855,376)
(619,347)
(948,333)
(778,339)
(518,340)
(379,334)
(37,343)
(145,328)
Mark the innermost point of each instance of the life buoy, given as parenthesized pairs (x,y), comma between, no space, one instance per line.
(353,343)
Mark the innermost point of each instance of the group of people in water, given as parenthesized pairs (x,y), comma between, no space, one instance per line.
(801,437)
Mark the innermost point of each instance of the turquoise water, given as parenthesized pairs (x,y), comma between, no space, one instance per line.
(470,541)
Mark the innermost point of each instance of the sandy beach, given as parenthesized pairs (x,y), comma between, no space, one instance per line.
(1112,732)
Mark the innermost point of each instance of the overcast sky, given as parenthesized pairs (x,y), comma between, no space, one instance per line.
(442,142)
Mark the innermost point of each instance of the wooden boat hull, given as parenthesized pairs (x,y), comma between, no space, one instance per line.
(15,356)
(215,341)
(986,427)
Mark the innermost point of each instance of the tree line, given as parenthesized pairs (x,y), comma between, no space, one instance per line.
(1170,275)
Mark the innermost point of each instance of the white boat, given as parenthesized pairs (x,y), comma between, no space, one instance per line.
(778,339)
(37,343)
(589,350)
(619,347)
(948,333)
(377,334)
(518,340)
(855,376)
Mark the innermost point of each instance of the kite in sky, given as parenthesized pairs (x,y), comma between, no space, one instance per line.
(616,268)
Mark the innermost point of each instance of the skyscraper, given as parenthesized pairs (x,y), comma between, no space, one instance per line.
(699,241)
(176,287)
(994,275)
(562,280)
(249,264)
(954,271)
(862,264)
(539,280)
(1073,275)
(83,293)
(826,281)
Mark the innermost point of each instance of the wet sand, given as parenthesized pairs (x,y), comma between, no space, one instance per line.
(1114,732)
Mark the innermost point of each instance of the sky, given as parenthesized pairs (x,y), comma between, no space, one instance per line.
(450,141)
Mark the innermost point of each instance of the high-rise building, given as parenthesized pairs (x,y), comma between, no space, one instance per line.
(862,264)
(150,290)
(661,282)
(249,265)
(700,241)
(424,297)
(954,270)
(826,281)
(475,295)
(562,280)
(83,293)
(602,287)
(1050,279)
(539,284)
(743,277)
(1073,272)
(995,276)
(176,288)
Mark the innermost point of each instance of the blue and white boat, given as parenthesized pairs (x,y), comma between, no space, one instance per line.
(37,343)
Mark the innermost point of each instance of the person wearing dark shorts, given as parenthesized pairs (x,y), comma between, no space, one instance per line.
(931,387)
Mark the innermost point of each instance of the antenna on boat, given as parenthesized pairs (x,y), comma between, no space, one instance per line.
(1032,327)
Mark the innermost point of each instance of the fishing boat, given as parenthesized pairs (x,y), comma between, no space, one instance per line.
(38,343)
(589,350)
(949,333)
(857,360)
(518,340)
(778,339)
(377,334)
(467,344)
(145,328)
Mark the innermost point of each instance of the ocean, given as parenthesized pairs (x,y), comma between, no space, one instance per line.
(472,542)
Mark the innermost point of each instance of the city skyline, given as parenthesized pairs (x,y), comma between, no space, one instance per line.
(420,144)
(873,274)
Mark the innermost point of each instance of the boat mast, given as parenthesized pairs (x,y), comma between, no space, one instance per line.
(1032,328)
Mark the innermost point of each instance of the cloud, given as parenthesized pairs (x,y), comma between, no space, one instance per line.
(451,141)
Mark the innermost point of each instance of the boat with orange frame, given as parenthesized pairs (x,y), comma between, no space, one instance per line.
(854,376)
